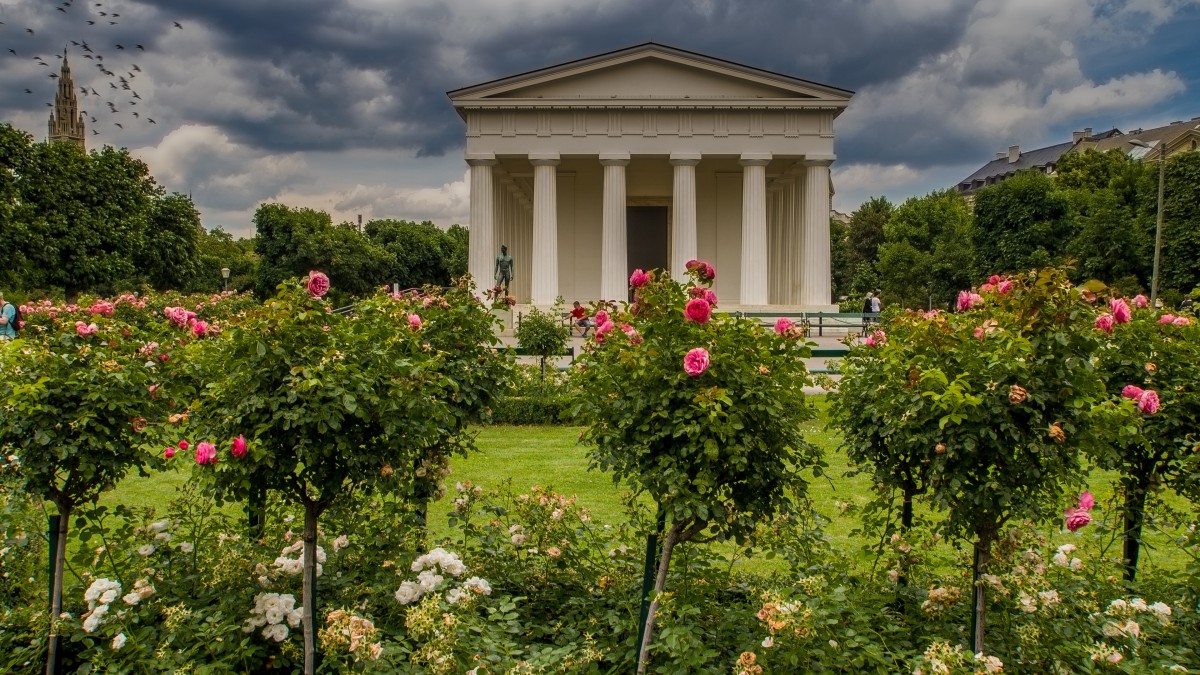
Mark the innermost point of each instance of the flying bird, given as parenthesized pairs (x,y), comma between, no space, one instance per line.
(136,69)
(135,95)
(151,120)
(61,10)
(119,126)
(121,47)
(29,30)
(54,76)
(141,48)
(178,25)
(91,23)
(28,91)
(135,115)
(94,132)
(13,51)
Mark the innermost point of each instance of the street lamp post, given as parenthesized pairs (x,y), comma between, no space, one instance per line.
(225,277)
(1158,225)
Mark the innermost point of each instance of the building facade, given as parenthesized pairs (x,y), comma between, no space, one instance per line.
(648,157)
(66,120)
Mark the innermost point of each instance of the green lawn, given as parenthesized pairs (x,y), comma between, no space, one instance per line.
(551,456)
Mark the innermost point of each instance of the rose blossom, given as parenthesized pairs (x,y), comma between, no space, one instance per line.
(1077,518)
(239,447)
(704,271)
(1140,301)
(1166,318)
(414,321)
(1120,310)
(602,318)
(1104,322)
(634,338)
(85,329)
(1131,391)
(169,452)
(1086,501)
(183,445)
(698,310)
(200,328)
(1182,321)
(783,325)
(696,361)
(206,453)
(318,284)
(639,278)
(968,299)
(1147,402)
(604,329)
(1004,286)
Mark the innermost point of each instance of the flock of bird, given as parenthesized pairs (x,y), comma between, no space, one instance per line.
(114,61)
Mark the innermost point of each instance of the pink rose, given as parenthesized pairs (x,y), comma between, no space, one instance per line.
(783,325)
(1077,518)
(414,321)
(169,453)
(876,339)
(1141,301)
(206,453)
(239,447)
(604,329)
(85,329)
(1086,501)
(1131,391)
(634,338)
(698,310)
(1166,318)
(1104,322)
(200,328)
(1182,321)
(602,318)
(183,445)
(704,271)
(696,361)
(1147,401)
(931,314)
(639,278)
(318,284)
(994,279)
(1120,310)
(1004,287)
(968,299)
(710,296)
(987,288)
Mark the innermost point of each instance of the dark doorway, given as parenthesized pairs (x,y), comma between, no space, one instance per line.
(646,237)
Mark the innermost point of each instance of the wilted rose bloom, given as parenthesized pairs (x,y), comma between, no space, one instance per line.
(1166,318)
(698,310)
(1131,391)
(318,284)
(239,447)
(696,361)
(414,321)
(1120,310)
(1056,433)
(1104,322)
(1077,518)
(1141,301)
(639,278)
(139,424)
(1147,402)
(1016,394)
(783,325)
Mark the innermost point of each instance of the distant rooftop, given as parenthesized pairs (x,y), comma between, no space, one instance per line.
(1043,159)
(1170,134)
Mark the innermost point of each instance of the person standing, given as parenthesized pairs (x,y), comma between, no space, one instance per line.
(876,304)
(8,319)
(868,307)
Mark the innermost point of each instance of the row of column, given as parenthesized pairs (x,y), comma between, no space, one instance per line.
(791,266)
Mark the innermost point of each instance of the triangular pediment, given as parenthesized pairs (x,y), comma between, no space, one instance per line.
(650,72)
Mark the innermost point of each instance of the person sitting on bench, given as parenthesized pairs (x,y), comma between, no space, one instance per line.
(580,319)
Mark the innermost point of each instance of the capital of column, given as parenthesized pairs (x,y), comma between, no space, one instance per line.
(755,159)
(685,158)
(481,159)
(819,160)
(614,158)
(544,158)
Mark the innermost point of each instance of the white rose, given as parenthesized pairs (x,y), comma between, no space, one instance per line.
(118,641)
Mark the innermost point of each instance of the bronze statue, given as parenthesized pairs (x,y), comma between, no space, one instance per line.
(504,269)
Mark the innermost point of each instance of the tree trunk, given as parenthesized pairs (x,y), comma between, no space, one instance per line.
(310,587)
(983,554)
(659,583)
(1132,518)
(906,512)
(60,556)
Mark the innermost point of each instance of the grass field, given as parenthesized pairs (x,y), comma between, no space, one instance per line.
(551,456)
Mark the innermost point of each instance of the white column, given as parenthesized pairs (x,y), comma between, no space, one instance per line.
(481,242)
(614,250)
(794,241)
(816,281)
(754,229)
(545,228)
(683,216)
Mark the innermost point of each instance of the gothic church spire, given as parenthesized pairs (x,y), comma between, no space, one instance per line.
(66,121)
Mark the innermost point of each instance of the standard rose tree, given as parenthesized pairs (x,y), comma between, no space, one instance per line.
(316,404)
(984,412)
(1151,360)
(698,410)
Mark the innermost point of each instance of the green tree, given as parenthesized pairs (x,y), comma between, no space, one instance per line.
(419,253)
(1180,269)
(867,226)
(1105,194)
(292,241)
(1020,224)
(839,257)
(168,257)
(217,249)
(927,253)
(457,264)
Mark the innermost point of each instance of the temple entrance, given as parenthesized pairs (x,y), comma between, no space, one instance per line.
(646,237)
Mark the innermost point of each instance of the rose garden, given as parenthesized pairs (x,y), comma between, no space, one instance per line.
(213,484)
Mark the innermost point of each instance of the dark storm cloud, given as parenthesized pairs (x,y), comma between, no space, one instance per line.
(299,57)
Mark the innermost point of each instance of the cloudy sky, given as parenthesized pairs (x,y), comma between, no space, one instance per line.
(340,104)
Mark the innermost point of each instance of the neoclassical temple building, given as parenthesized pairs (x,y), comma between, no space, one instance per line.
(647,157)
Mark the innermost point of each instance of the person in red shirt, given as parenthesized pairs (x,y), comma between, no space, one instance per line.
(579,317)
